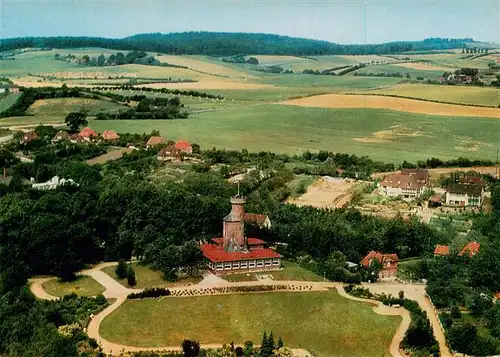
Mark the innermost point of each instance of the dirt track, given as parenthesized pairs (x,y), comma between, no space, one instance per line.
(391,103)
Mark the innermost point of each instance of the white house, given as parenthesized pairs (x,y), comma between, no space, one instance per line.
(460,194)
(53,183)
(409,184)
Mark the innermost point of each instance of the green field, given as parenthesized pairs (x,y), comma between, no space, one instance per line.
(291,129)
(82,286)
(7,100)
(324,323)
(147,277)
(387,68)
(63,106)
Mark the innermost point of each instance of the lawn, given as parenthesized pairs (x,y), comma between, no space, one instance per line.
(147,277)
(324,323)
(290,129)
(300,184)
(291,271)
(405,268)
(83,286)
(451,94)
(7,100)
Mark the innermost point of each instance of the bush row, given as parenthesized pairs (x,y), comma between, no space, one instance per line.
(149,293)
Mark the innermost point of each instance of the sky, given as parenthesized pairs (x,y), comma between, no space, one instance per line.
(343,22)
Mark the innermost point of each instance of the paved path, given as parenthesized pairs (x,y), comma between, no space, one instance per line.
(115,290)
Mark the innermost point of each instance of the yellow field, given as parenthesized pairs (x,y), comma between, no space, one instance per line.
(391,103)
(453,94)
(199,64)
(423,66)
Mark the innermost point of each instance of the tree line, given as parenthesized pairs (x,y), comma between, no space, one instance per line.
(229,44)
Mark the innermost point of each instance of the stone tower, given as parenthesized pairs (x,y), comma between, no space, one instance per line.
(234,228)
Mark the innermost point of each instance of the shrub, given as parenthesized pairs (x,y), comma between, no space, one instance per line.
(131,276)
(121,269)
(150,293)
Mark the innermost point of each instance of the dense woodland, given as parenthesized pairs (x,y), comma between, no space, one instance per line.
(230,44)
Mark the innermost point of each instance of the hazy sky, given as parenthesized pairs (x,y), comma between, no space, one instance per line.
(337,21)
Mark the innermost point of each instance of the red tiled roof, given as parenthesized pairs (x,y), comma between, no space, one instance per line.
(470,248)
(217,254)
(87,133)
(256,218)
(403,181)
(27,137)
(155,140)
(61,135)
(168,151)
(183,145)
(250,241)
(497,295)
(378,256)
(110,135)
(441,250)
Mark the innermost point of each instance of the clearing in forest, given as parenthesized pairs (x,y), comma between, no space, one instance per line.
(392,103)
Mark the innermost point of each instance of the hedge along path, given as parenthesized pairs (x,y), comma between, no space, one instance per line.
(393,103)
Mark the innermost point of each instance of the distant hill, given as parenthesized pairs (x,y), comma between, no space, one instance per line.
(228,44)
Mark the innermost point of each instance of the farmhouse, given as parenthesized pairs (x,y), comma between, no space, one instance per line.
(154,140)
(88,134)
(110,135)
(4,88)
(388,262)
(409,184)
(28,137)
(461,194)
(184,146)
(61,135)
(235,253)
(169,153)
(75,138)
(441,250)
(471,249)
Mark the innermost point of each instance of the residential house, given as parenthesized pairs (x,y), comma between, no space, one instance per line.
(441,250)
(472,180)
(260,220)
(4,88)
(14,89)
(110,135)
(88,134)
(75,138)
(184,146)
(388,262)
(60,136)
(169,153)
(154,141)
(53,183)
(28,137)
(460,194)
(471,249)
(409,184)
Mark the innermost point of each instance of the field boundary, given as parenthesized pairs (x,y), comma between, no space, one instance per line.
(421,99)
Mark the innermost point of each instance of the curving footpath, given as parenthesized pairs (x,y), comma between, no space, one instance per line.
(115,290)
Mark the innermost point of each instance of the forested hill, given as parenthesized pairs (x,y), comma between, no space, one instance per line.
(228,44)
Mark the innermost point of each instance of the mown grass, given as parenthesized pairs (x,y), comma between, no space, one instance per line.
(147,277)
(290,129)
(291,271)
(7,100)
(324,323)
(83,286)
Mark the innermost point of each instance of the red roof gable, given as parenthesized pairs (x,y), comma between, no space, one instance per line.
(183,145)
(110,135)
(441,250)
(87,133)
(256,218)
(217,254)
(155,140)
(470,248)
(29,136)
(381,258)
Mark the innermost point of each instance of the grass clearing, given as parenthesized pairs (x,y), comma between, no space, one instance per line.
(147,277)
(293,129)
(112,155)
(291,271)
(63,106)
(83,285)
(31,120)
(300,183)
(323,323)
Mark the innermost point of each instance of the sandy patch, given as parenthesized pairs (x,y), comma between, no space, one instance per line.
(424,66)
(386,136)
(391,103)
(327,192)
(210,85)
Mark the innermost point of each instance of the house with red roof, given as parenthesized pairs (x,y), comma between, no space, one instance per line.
(110,135)
(441,250)
(388,262)
(409,184)
(154,140)
(234,252)
(60,136)
(88,134)
(471,249)
(260,220)
(28,137)
(184,146)
(169,153)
